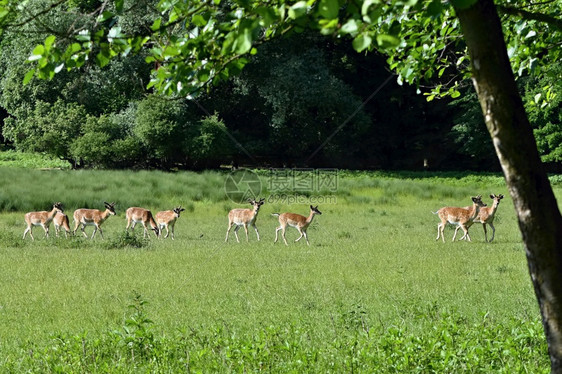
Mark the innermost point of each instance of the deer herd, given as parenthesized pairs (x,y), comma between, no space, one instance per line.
(463,217)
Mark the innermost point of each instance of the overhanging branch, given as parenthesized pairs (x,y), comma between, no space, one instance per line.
(541,17)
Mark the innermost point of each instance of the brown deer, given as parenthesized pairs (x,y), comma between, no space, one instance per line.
(42,219)
(61,219)
(463,217)
(487,214)
(168,218)
(297,221)
(244,217)
(92,217)
(144,216)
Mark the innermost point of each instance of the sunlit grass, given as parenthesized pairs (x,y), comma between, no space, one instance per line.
(373,264)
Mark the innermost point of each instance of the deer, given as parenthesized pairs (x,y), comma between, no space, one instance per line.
(244,217)
(463,217)
(301,223)
(42,219)
(486,215)
(135,215)
(167,218)
(95,217)
(61,219)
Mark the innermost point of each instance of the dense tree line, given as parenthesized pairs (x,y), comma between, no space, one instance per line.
(303,101)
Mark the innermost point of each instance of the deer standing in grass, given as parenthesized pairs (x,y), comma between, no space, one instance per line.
(463,217)
(140,215)
(168,218)
(42,219)
(486,216)
(61,219)
(297,221)
(92,217)
(244,217)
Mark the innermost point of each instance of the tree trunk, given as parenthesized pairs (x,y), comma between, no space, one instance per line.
(540,221)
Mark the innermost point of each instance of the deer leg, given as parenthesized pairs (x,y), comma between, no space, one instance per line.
(283,234)
(257,233)
(82,227)
(94,233)
(76,224)
(465,236)
(440,229)
(455,235)
(485,231)
(236,233)
(101,232)
(46,229)
(173,224)
(300,232)
(246,230)
(493,231)
(145,230)
(306,237)
(26,231)
(276,232)
(227,231)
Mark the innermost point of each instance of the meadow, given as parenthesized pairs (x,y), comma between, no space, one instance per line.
(374,292)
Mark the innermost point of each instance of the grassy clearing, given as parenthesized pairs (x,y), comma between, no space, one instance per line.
(374,291)
(31,161)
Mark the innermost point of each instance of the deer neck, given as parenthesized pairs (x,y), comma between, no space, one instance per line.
(255,212)
(52,214)
(494,208)
(310,218)
(105,215)
(475,211)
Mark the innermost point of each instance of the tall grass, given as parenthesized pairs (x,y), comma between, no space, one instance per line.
(373,292)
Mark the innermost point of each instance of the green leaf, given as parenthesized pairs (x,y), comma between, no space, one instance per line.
(297,10)
(244,39)
(28,76)
(362,42)
(102,60)
(105,16)
(350,27)
(329,8)
(366,5)
(37,53)
(49,41)
(198,20)
(156,25)
(387,41)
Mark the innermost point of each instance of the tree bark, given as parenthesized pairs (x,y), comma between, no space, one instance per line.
(539,218)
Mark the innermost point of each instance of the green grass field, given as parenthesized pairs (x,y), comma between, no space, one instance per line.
(373,292)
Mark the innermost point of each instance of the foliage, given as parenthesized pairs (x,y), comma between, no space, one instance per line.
(470,134)
(198,42)
(543,99)
(294,95)
(48,128)
(447,344)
